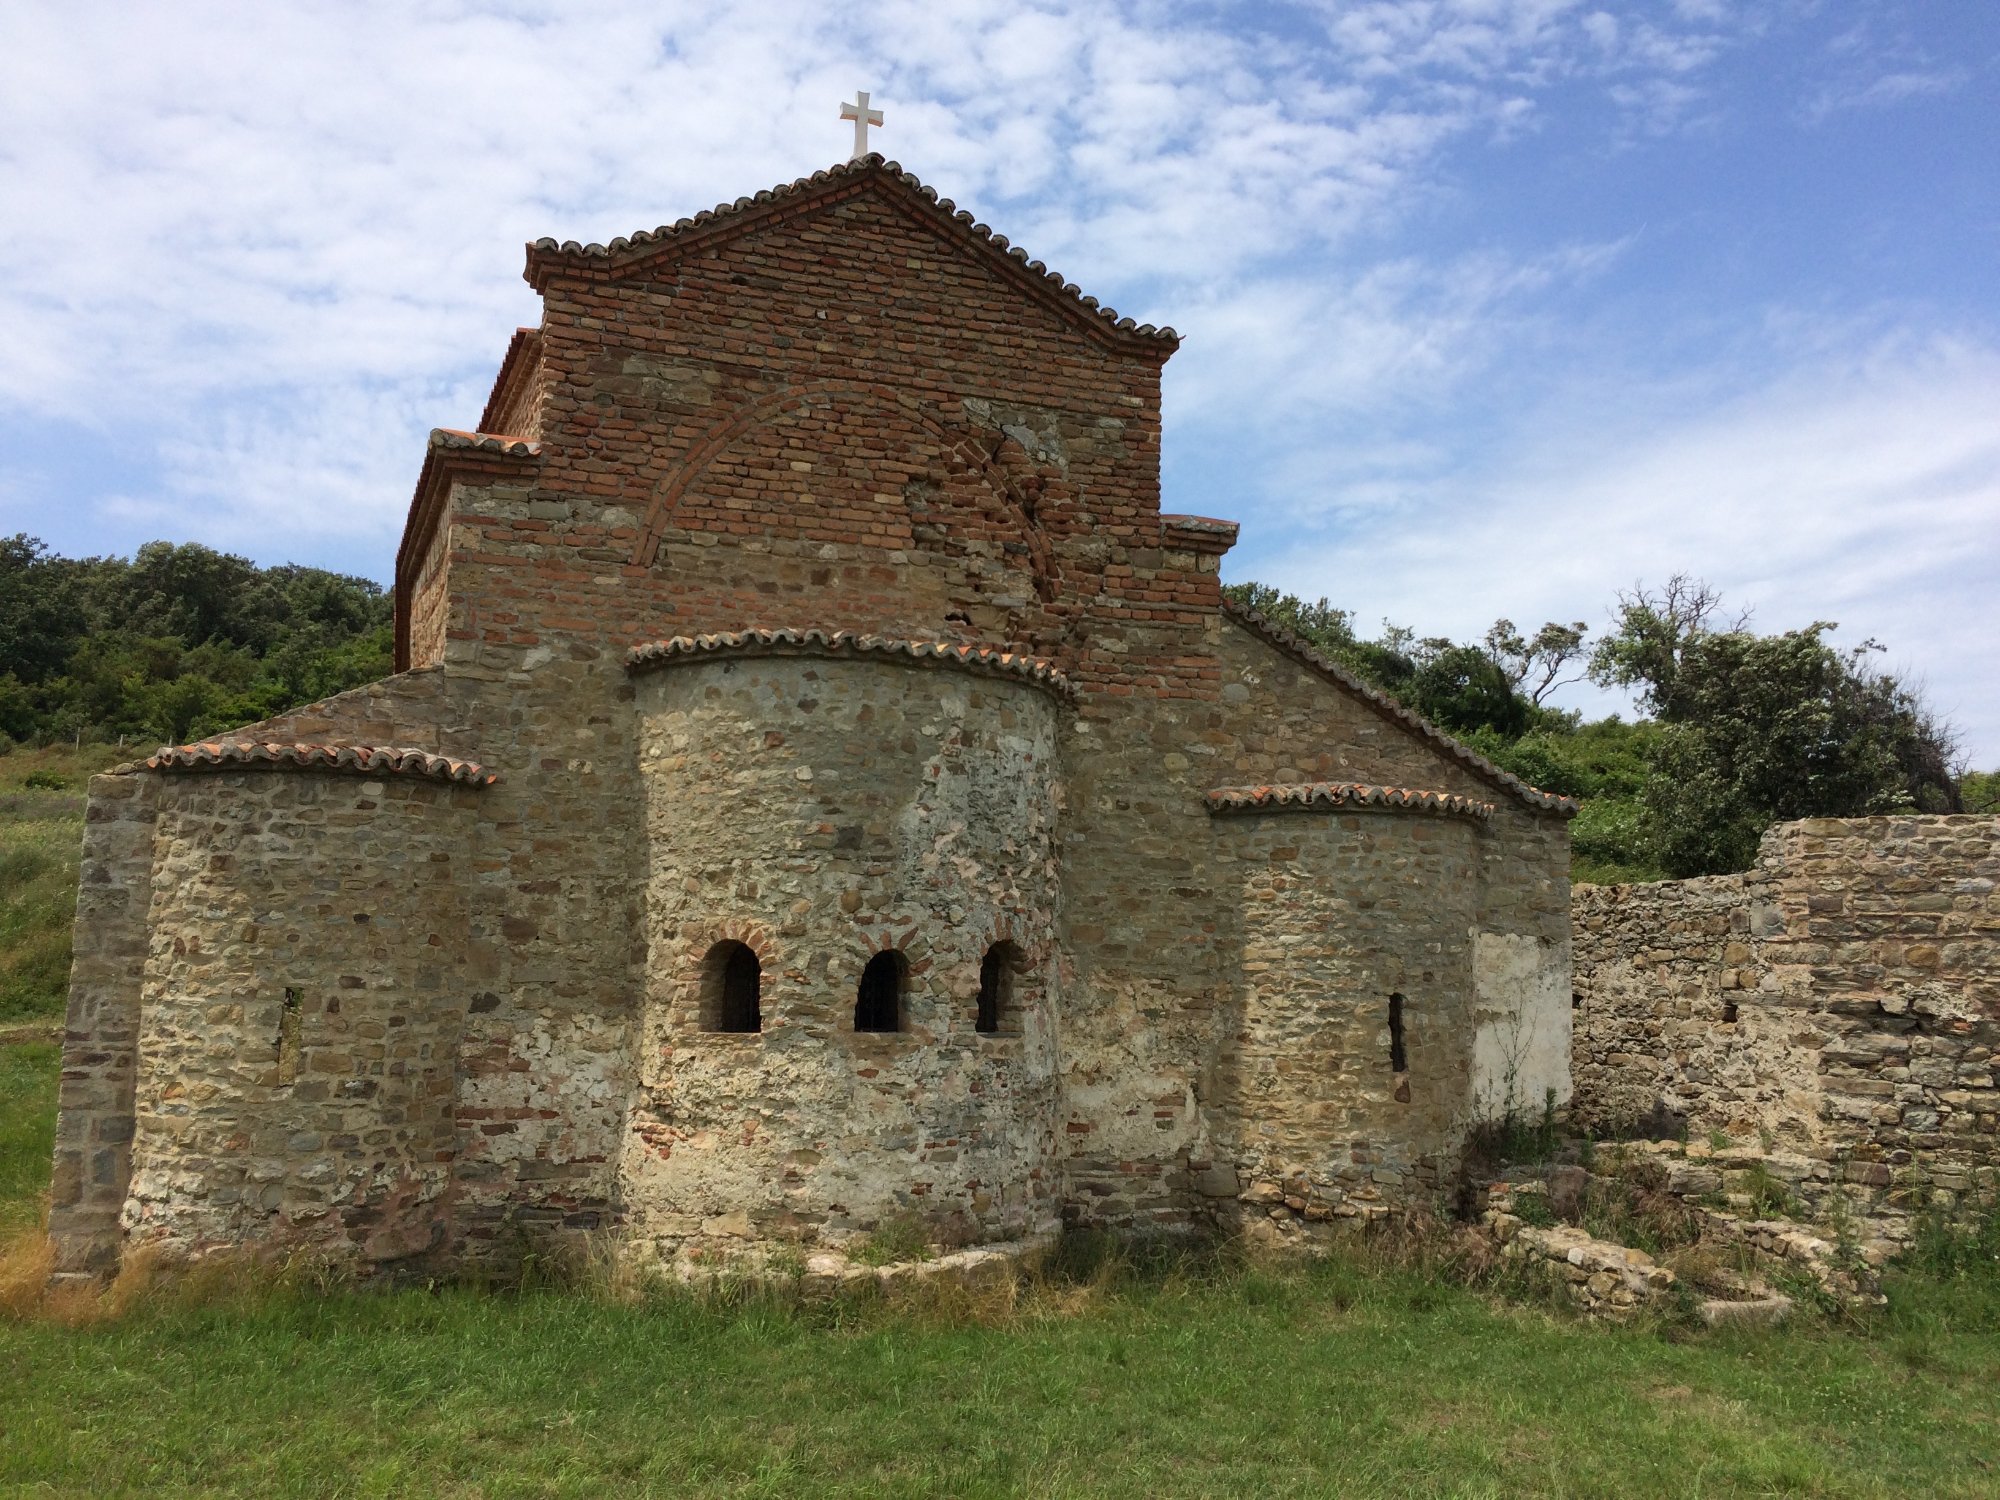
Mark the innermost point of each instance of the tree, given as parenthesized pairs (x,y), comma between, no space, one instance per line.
(1651,633)
(1979,791)
(1462,689)
(1761,729)
(1537,664)
(41,610)
(182,640)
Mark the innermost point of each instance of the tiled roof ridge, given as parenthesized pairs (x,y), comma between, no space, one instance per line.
(993,661)
(1306,796)
(1297,646)
(389,760)
(855,169)
(523,350)
(453,438)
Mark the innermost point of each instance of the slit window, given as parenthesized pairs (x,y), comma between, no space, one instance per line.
(1399,1056)
(878,1000)
(732,983)
(288,1036)
(996,990)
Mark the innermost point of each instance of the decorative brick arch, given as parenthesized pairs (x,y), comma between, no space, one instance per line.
(684,1006)
(871,936)
(1008,470)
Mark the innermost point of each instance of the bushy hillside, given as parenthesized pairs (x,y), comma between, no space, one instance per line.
(176,642)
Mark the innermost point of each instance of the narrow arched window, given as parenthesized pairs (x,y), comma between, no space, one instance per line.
(996,989)
(878,1002)
(732,983)
(1399,1057)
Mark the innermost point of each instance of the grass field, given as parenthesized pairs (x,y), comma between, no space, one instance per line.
(41,829)
(1359,1377)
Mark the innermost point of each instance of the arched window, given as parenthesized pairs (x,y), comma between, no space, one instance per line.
(732,982)
(878,1002)
(1399,1057)
(996,990)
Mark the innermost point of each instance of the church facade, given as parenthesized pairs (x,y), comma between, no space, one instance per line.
(818,788)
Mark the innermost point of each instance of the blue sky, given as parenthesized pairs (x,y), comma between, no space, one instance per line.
(1491,307)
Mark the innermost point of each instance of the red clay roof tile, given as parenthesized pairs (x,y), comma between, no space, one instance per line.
(1325,796)
(988,661)
(369,760)
(644,243)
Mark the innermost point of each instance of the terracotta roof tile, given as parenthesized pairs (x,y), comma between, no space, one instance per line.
(988,661)
(369,760)
(1298,647)
(452,439)
(1325,796)
(645,240)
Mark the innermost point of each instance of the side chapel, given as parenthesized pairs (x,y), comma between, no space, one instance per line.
(818,787)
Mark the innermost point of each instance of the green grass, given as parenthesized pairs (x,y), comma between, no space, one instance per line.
(27,1128)
(1340,1380)
(41,831)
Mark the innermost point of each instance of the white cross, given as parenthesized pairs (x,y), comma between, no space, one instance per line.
(863,117)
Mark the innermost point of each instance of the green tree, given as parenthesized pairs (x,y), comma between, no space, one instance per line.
(1540,664)
(1760,729)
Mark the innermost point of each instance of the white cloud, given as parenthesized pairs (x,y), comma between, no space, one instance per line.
(1883,90)
(1865,491)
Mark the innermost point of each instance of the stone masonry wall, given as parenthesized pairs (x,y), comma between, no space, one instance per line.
(824,811)
(1842,998)
(1342,913)
(303,993)
(100,1070)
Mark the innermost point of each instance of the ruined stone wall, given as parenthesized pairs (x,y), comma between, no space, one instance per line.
(1842,998)
(824,811)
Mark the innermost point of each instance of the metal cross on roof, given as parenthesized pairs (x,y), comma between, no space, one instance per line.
(863,117)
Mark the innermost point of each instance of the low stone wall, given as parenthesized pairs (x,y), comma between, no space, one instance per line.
(1841,1000)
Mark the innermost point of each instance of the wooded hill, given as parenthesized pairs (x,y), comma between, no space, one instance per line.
(177,642)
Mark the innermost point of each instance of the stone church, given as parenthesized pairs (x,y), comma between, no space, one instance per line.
(819,787)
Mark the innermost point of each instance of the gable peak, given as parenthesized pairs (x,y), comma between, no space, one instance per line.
(548,257)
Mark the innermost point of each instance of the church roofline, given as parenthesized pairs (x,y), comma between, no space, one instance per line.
(547,258)
(367,760)
(451,454)
(1303,651)
(986,661)
(1328,796)
(516,367)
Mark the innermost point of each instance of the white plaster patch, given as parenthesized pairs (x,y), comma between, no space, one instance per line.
(1521,1041)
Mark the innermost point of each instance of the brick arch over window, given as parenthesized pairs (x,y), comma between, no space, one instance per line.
(1009,474)
(693,983)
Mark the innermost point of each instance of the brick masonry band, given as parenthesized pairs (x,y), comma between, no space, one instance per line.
(367,760)
(986,661)
(1330,796)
